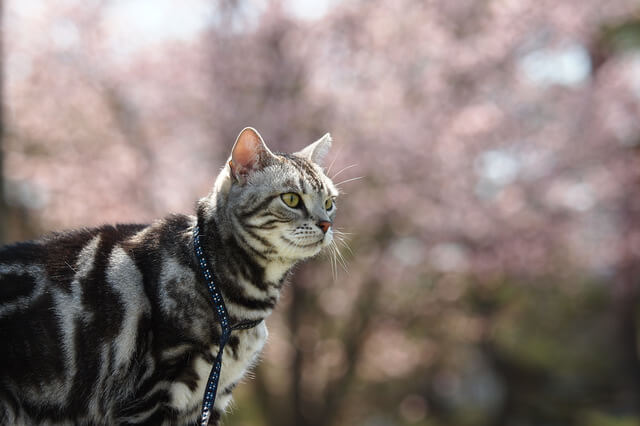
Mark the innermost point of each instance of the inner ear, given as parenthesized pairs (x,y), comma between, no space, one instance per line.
(249,154)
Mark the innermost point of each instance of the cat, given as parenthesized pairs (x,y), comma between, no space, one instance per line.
(114,325)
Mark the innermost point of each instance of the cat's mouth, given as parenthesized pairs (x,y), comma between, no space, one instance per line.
(307,245)
(304,243)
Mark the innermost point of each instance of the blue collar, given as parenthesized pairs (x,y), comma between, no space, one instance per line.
(223,318)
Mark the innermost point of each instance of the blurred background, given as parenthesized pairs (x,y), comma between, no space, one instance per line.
(494,264)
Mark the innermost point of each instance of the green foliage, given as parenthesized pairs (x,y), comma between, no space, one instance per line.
(622,36)
(596,418)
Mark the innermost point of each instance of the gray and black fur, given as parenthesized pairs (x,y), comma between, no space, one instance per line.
(114,325)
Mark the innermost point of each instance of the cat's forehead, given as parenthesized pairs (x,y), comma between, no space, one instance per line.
(305,176)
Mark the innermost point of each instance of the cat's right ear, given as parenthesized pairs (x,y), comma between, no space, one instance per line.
(249,154)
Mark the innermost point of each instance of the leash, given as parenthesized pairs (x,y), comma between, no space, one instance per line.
(223,317)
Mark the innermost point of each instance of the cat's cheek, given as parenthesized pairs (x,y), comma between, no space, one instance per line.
(328,237)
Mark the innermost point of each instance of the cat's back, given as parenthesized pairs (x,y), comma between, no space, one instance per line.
(60,298)
(54,260)
(63,246)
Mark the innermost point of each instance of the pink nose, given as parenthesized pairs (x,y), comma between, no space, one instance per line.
(324,225)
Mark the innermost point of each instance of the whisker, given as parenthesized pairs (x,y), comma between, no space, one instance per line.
(329,252)
(341,259)
(336,259)
(340,237)
(346,246)
(349,180)
(334,263)
(344,169)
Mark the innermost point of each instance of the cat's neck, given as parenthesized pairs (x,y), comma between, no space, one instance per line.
(250,285)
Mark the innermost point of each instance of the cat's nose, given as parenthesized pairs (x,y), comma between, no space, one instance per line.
(324,225)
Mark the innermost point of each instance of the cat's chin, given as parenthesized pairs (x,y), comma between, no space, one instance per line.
(319,246)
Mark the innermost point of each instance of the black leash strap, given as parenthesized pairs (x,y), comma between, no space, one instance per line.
(223,318)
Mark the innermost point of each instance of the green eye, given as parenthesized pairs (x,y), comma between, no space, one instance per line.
(328,204)
(291,199)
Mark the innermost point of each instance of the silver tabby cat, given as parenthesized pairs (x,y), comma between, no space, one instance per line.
(114,325)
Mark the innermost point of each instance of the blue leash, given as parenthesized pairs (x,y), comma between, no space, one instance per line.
(223,317)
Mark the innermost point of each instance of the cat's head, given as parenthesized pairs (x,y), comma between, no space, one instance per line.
(281,206)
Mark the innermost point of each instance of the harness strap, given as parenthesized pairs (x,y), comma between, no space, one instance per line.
(223,317)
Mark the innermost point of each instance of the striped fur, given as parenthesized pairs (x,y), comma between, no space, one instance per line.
(113,325)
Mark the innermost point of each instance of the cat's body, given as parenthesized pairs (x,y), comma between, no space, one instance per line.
(114,325)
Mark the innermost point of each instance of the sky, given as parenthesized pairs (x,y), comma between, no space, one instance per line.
(132,25)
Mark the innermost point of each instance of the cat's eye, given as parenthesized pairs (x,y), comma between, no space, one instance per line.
(328,204)
(290,199)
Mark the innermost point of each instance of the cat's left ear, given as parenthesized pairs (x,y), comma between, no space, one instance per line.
(249,154)
(317,150)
